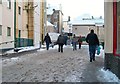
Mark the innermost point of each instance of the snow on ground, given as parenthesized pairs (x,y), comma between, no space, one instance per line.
(107,76)
(54,36)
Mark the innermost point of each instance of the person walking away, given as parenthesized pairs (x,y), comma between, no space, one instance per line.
(66,38)
(47,39)
(74,42)
(92,40)
(80,42)
(60,42)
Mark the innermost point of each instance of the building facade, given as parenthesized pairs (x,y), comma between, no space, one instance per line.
(24,25)
(50,28)
(21,26)
(84,26)
(43,19)
(6,25)
(37,36)
(57,20)
(112,36)
(30,34)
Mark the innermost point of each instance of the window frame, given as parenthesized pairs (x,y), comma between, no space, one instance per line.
(115,28)
(19,10)
(9,4)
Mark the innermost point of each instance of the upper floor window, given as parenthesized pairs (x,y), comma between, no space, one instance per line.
(19,10)
(8,31)
(56,16)
(0,29)
(0,1)
(75,28)
(9,4)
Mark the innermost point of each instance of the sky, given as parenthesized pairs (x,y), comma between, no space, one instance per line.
(76,8)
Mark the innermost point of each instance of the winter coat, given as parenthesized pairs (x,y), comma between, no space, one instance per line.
(80,40)
(61,40)
(47,39)
(74,40)
(92,39)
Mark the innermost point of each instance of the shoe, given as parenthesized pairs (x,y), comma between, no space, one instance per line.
(93,59)
(90,60)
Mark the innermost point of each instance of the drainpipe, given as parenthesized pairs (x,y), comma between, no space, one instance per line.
(15,24)
(28,24)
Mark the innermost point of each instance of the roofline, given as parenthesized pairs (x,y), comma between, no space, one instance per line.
(83,25)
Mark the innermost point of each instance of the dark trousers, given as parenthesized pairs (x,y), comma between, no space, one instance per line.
(79,45)
(60,48)
(47,45)
(92,49)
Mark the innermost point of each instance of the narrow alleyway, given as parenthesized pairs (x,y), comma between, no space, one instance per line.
(53,66)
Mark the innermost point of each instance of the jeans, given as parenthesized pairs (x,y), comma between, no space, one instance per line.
(47,45)
(92,49)
(74,46)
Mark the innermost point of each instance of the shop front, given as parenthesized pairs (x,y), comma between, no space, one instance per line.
(112,36)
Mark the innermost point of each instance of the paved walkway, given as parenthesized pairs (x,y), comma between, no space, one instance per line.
(53,66)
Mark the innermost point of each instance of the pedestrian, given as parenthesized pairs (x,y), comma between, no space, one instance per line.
(47,39)
(74,42)
(92,40)
(66,38)
(60,42)
(80,41)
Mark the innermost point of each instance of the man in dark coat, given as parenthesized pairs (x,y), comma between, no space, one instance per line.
(47,39)
(93,42)
(80,42)
(60,42)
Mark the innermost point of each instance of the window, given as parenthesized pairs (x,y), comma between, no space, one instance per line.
(0,29)
(19,10)
(8,31)
(56,16)
(0,1)
(9,4)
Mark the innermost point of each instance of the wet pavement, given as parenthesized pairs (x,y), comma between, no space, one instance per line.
(53,66)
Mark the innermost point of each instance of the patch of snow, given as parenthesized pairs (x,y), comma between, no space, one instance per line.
(15,58)
(54,36)
(107,76)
